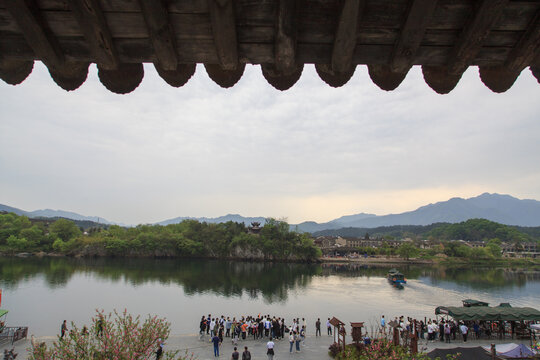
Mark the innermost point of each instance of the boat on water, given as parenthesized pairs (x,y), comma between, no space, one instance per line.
(396,278)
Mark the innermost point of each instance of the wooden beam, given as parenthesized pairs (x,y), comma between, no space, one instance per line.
(470,41)
(438,78)
(501,78)
(15,72)
(498,78)
(179,76)
(332,78)
(224,78)
(36,33)
(161,34)
(224,31)
(280,80)
(385,78)
(96,31)
(412,33)
(71,76)
(346,34)
(536,72)
(527,48)
(286,37)
(122,80)
(535,68)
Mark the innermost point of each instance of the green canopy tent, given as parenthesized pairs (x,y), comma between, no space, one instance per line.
(486,313)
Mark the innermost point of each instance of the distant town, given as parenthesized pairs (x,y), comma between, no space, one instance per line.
(356,247)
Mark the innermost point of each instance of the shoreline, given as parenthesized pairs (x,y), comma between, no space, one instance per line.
(372,260)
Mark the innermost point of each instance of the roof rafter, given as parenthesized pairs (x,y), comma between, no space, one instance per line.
(92,21)
(36,33)
(284,72)
(69,75)
(389,76)
(418,18)
(224,30)
(501,78)
(346,34)
(161,33)
(470,42)
(444,78)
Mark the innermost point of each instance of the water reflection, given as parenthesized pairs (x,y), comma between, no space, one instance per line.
(476,278)
(269,281)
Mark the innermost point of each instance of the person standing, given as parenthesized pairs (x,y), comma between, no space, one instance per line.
(246,355)
(159,352)
(318,327)
(297,341)
(235,355)
(329,327)
(383,325)
(63,329)
(270,349)
(291,340)
(216,342)
(464,330)
(447,332)
(228,325)
(202,327)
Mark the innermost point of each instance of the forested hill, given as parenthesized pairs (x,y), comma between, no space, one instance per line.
(189,238)
(470,230)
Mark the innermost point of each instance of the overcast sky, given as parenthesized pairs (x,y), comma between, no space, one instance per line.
(310,153)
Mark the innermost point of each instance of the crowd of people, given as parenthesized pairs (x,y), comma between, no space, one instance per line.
(256,327)
(443,330)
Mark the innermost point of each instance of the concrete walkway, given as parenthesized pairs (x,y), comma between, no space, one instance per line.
(315,348)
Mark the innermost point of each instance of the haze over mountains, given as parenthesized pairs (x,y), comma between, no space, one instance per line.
(503,209)
(49,213)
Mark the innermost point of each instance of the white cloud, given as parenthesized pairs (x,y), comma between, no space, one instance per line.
(312,152)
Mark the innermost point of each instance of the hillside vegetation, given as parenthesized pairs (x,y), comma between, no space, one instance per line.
(470,230)
(189,238)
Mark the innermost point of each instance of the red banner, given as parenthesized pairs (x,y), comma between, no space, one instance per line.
(0,297)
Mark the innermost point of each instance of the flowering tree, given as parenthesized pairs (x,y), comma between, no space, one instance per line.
(118,337)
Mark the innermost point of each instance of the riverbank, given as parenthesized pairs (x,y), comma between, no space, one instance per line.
(448,261)
(375,260)
(315,348)
(370,260)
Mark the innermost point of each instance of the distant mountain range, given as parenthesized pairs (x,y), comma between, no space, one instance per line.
(230,217)
(49,213)
(503,209)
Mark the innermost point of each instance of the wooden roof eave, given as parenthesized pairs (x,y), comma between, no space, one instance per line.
(502,37)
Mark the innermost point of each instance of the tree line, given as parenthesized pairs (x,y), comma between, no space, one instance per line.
(189,238)
(470,230)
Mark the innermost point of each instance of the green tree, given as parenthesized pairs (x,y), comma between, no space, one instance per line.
(64,229)
(407,250)
(494,250)
(17,244)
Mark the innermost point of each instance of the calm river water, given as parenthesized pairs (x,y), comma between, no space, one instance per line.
(40,293)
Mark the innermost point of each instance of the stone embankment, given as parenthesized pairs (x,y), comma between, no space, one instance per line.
(375,260)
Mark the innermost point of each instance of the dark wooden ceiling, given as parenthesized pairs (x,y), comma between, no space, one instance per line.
(445,37)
